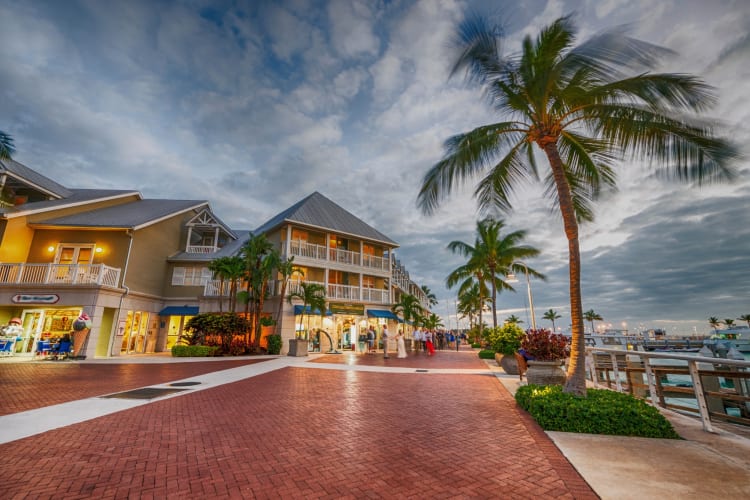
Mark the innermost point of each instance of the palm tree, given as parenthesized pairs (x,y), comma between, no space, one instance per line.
(729,322)
(433,321)
(492,255)
(469,302)
(313,297)
(221,270)
(260,257)
(286,269)
(513,319)
(592,316)
(6,146)
(714,322)
(409,308)
(234,272)
(585,107)
(552,316)
(745,317)
(431,299)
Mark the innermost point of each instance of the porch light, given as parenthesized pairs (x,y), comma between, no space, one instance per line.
(51,248)
(98,250)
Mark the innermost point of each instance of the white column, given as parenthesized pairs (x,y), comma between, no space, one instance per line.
(288,240)
(189,236)
(216,238)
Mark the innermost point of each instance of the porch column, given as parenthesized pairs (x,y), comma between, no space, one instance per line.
(288,246)
(189,237)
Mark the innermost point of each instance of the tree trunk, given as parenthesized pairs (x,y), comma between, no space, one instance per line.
(281,305)
(576,376)
(494,299)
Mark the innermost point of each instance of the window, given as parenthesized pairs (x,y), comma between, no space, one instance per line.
(300,234)
(74,254)
(190,276)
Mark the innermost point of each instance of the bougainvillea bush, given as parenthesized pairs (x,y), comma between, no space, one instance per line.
(543,345)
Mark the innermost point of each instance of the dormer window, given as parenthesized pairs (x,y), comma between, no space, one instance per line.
(206,234)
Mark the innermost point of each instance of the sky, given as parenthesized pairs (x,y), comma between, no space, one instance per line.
(254,105)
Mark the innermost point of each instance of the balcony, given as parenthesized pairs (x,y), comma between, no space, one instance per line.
(205,249)
(59,274)
(333,291)
(298,248)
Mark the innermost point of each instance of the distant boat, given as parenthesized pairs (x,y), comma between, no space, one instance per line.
(738,337)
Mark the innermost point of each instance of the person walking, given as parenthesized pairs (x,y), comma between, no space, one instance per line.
(428,336)
(385,342)
(417,340)
(370,339)
(401,347)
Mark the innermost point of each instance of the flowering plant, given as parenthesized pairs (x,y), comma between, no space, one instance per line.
(543,345)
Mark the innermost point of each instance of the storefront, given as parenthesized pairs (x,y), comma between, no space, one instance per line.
(172,322)
(138,332)
(42,324)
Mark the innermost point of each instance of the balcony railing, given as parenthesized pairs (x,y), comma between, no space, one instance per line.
(202,249)
(333,291)
(300,248)
(376,262)
(343,257)
(59,274)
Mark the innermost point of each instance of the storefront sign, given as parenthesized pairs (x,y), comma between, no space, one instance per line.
(344,308)
(49,298)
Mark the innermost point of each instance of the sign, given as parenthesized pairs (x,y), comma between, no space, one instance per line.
(344,308)
(49,298)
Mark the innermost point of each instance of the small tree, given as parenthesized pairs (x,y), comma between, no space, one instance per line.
(552,316)
(592,316)
(224,325)
(745,317)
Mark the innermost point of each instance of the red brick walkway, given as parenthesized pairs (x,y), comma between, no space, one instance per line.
(303,433)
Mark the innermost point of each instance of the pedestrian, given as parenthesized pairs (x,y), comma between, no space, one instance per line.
(428,336)
(370,339)
(400,344)
(385,342)
(417,339)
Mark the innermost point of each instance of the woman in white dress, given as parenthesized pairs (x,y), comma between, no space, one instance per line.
(400,344)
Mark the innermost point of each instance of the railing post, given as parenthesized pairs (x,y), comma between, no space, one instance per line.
(700,396)
(615,371)
(651,380)
(20,272)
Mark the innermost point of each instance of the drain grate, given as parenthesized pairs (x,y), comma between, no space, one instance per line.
(422,371)
(184,384)
(147,393)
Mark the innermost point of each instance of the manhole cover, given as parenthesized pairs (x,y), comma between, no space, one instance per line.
(184,384)
(421,371)
(147,393)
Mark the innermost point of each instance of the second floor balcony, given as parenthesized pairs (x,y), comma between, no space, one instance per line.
(303,249)
(59,274)
(333,291)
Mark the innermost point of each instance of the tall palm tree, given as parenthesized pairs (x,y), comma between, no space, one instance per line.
(592,316)
(234,272)
(745,317)
(409,308)
(513,319)
(313,297)
(254,253)
(585,107)
(714,322)
(431,298)
(494,255)
(6,146)
(221,270)
(552,316)
(286,269)
(729,322)
(469,302)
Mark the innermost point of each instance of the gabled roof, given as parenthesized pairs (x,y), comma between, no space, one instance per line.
(231,248)
(77,197)
(134,215)
(319,212)
(34,179)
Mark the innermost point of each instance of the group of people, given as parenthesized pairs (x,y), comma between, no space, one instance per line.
(424,341)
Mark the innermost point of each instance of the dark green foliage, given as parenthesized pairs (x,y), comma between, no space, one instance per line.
(505,339)
(186,351)
(476,345)
(487,354)
(601,412)
(274,344)
(224,325)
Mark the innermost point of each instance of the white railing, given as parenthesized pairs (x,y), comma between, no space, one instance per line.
(59,274)
(202,249)
(301,248)
(375,262)
(700,379)
(344,257)
(376,296)
(343,292)
(335,292)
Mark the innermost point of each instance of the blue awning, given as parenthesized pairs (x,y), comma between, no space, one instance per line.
(179,311)
(298,311)
(377,313)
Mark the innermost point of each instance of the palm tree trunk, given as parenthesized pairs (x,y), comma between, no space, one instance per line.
(576,376)
(281,305)
(494,300)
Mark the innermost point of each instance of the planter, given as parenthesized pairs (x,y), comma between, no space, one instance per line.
(507,363)
(297,347)
(545,373)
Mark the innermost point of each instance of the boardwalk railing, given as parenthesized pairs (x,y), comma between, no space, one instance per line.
(59,274)
(711,388)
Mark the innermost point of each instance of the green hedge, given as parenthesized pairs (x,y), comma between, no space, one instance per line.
(476,345)
(601,412)
(486,354)
(274,343)
(185,351)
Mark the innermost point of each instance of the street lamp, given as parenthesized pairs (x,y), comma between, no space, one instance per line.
(511,278)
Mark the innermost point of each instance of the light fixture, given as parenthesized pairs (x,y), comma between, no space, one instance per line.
(98,250)
(511,278)
(51,248)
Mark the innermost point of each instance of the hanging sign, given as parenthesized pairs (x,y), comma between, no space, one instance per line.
(344,308)
(48,298)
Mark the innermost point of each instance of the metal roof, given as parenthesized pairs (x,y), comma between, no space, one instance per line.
(318,211)
(33,178)
(77,197)
(133,215)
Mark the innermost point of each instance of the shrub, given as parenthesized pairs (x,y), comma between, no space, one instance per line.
(238,347)
(505,339)
(274,344)
(544,345)
(601,412)
(476,345)
(185,351)
(486,354)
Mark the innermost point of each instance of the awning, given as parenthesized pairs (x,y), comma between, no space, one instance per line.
(377,313)
(298,311)
(179,311)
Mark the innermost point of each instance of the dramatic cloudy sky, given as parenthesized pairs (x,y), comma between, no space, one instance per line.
(254,105)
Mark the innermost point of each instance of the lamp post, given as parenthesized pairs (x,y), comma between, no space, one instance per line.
(512,278)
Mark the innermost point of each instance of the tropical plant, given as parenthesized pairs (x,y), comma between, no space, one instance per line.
(223,325)
(6,146)
(260,258)
(585,107)
(745,317)
(714,322)
(286,270)
(431,298)
(494,256)
(552,316)
(313,297)
(409,307)
(472,299)
(543,345)
(592,316)
(729,322)
(505,339)
(226,269)
(513,319)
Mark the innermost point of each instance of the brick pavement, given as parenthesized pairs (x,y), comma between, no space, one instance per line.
(302,433)
(442,359)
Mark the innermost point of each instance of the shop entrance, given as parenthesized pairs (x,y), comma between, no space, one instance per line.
(137,338)
(44,324)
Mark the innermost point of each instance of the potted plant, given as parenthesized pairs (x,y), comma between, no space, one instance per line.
(546,352)
(505,341)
